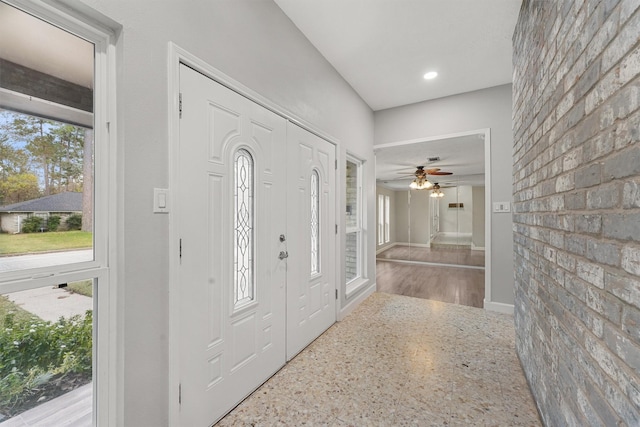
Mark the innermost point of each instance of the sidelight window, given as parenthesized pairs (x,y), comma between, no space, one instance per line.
(353,220)
(315,222)
(244,284)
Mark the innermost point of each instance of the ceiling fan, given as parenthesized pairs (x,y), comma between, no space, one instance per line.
(421,182)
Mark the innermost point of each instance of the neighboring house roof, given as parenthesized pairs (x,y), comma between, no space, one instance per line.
(62,202)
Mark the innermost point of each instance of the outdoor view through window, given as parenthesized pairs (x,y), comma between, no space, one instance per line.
(45,205)
(46,223)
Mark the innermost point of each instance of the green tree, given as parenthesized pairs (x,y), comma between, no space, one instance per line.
(12,160)
(39,143)
(69,143)
(18,188)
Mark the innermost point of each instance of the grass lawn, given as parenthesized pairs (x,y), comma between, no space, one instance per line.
(11,244)
(83,287)
(19,315)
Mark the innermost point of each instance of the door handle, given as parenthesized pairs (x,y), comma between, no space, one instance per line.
(283,255)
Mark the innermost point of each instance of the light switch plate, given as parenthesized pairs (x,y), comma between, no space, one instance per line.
(501,207)
(160,200)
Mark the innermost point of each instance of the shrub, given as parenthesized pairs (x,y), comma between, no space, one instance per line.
(53,222)
(74,222)
(31,224)
(35,351)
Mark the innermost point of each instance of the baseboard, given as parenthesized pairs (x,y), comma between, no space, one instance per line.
(384,248)
(351,305)
(476,248)
(499,307)
(417,245)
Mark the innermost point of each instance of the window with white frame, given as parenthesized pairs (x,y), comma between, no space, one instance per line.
(387,220)
(353,256)
(56,148)
(384,234)
(381,219)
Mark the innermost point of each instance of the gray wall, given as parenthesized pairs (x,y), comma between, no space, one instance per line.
(477,236)
(456,219)
(257,45)
(412,211)
(488,108)
(577,209)
(419,217)
(402,216)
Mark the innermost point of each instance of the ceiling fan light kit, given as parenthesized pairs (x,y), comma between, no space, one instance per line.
(436,193)
(420,184)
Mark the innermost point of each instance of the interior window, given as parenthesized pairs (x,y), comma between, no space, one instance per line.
(353,220)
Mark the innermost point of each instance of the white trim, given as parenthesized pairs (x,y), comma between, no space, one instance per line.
(476,248)
(22,103)
(431,138)
(434,264)
(108,250)
(176,56)
(385,247)
(415,245)
(498,306)
(351,305)
(486,132)
(354,286)
(488,257)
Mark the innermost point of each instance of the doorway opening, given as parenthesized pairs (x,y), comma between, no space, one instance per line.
(432,217)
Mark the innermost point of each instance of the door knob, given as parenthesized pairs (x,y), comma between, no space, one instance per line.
(283,255)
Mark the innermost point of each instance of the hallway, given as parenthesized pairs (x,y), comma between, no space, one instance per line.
(400,361)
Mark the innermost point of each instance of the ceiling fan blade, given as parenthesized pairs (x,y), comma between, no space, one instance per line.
(432,170)
(440,173)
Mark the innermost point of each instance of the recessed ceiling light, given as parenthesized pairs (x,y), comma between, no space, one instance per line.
(430,75)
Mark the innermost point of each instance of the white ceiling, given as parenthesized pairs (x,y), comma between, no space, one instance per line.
(463,156)
(35,44)
(384,47)
(381,47)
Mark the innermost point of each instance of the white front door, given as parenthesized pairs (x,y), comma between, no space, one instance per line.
(311,274)
(230,210)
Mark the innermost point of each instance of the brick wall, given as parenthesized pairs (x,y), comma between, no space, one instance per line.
(576,122)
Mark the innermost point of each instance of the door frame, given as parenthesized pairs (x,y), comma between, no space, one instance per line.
(486,133)
(176,56)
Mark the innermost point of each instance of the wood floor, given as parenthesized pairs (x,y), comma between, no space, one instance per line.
(457,285)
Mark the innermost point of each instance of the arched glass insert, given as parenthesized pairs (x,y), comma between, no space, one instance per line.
(244,286)
(315,222)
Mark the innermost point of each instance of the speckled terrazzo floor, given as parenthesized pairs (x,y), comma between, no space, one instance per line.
(400,361)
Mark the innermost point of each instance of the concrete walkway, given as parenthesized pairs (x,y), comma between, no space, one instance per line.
(21,262)
(51,303)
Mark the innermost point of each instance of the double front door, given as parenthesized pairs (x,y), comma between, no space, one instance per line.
(255,215)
